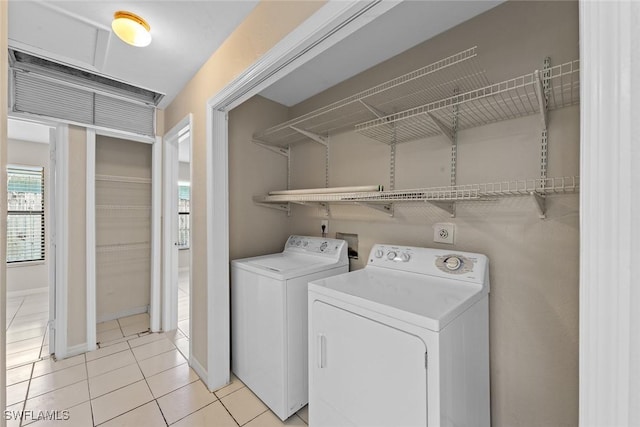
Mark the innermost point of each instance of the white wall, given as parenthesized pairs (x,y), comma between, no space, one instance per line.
(31,276)
(534,262)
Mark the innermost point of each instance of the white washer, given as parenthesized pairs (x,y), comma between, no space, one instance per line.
(402,342)
(269,318)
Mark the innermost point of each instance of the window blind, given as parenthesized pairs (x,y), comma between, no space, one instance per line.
(25,214)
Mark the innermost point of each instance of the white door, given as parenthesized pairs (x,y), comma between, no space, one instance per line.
(51,250)
(170,235)
(364,373)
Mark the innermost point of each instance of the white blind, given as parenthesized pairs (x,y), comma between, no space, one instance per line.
(25,214)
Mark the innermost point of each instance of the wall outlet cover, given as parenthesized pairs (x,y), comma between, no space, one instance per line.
(325,222)
(443,232)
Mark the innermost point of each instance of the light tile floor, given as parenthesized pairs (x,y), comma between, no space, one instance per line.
(140,380)
(182,339)
(27,338)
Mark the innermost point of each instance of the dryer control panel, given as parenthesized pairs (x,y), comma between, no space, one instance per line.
(316,246)
(464,266)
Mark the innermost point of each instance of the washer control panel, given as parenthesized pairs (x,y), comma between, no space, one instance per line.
(315,245)
(454,264)
(435,262)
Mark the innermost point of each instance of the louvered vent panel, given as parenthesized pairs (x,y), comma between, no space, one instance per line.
(37,95)
(124,115)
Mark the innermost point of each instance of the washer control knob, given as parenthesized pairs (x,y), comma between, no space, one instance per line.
(298,242)
(379,253)
(453,263)
(391,255)
(305,243)
(405,257)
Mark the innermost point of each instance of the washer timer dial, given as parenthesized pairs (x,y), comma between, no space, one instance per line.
(453,263)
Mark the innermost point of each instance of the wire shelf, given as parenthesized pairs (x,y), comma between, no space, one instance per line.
(501,101)
(460,72)
(465,192)
(123,179)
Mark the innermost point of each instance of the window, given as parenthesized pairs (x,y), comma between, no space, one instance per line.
(25,214)
(184,208)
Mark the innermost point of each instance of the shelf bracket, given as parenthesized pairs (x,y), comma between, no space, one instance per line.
(446,131)
(285,207)
(313,136)
(322,205)
(386,208)
(449,207)
(378,113)
(541,204)
(283,151)
(542,101)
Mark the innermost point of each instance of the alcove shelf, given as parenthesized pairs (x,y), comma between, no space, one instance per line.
(460,72)
(442,98)
(442,197)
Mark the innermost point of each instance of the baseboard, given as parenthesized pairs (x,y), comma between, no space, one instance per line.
(76,350)
(12,294)
(123,313)
(198,369)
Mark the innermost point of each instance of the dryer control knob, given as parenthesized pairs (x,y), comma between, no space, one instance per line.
(405,257)
(452,263)
(392,255)
(379,253)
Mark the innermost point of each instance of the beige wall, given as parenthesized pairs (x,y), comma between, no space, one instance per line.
(534,262)
(254,170)
(77,259)
(20,276)
(123,262)
(4,64)
(254,37)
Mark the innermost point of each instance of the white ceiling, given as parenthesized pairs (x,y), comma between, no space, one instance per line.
(28,131)
(404,26)
(185,34)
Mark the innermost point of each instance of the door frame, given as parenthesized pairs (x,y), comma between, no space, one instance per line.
(336,20)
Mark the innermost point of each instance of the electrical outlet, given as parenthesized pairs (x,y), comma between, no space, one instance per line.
(325,223)
(443,232)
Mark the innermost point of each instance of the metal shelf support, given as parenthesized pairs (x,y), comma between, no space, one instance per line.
(285,207)
(386,208)
(541,204)
(313,136)
(449,207)
(446,131)
(283,151)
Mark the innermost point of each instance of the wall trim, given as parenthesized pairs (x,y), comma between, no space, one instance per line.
(77,349)
(333,22)
(91,238)
(155,308)
(61,239)
(197,367)
(124,313)
(609,208)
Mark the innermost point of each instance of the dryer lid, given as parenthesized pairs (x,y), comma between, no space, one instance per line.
(425,301)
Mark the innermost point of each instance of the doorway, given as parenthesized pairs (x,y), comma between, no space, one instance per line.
(177,232)
(29,238)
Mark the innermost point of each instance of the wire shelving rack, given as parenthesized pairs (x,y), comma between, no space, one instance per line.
(438,80)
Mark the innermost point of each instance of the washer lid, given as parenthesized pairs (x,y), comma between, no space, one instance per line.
(425,301)
(287,265)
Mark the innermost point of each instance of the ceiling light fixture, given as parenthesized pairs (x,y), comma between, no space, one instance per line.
(131,28)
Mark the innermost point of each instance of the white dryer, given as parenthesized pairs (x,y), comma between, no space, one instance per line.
(269,318)
(402,342)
